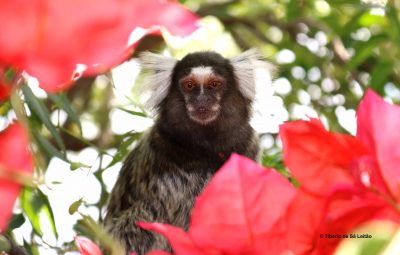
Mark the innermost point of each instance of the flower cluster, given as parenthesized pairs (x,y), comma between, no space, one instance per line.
(345,181)
(48,39)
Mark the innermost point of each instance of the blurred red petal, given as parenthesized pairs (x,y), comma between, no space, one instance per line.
(304,218)
(312,218)
(86,246)
(19,19)
(159,13)
(343,216)
(14,156)
(368,175)
(180,241)
(42,38)
(4,92)
(274,241)
(378,127)
(318,159)
(241,202)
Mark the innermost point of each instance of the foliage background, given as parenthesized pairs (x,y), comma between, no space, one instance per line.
(327,53)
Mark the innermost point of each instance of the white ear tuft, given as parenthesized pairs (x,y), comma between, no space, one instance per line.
(247,67)
(158,81)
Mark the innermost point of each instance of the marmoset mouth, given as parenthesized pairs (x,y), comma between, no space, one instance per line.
(203,115)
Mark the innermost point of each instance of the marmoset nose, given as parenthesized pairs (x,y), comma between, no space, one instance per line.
(203,99)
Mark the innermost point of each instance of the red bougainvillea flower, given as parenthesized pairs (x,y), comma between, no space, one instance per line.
(317,158)
(377,128)
(86,246)
(49,38)
(4,88)
(235,214)
(316,225)
(4,91)
(345,181)
(14,157)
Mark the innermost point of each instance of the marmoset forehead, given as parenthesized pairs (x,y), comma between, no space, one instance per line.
(201,71)
(203,67)
(202,74)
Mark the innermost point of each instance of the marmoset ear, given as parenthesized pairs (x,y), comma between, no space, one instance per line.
(159,78)
(248,68)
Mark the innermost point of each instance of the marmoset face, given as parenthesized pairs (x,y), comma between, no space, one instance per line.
(202,90)
(203,79)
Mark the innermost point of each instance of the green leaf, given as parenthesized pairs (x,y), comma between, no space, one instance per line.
(124,149)
(9,75)
(351,24)
(47,146)
(62,101)
(368,19)
(364,51)
(48,211)
(293,10)
(373,246)
(95,231)
(34,203)
(141,114)
(36,106)
(379,76)
(16,221)
(31,205)
(341,2)
(74,166)
(274,161)
(5,107)
(391,13)
(31,248)
(87,227)
(5,245)
(75,206)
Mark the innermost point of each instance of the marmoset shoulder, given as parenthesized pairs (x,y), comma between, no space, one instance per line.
(203,104)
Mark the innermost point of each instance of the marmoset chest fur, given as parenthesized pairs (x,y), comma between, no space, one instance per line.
(203,104)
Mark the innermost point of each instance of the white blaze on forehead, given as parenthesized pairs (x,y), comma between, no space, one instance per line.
(201,73)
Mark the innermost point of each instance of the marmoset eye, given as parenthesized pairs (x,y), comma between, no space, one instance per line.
(215,84)
(188,85)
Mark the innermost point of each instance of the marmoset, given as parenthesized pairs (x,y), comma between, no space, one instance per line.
(203,104)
